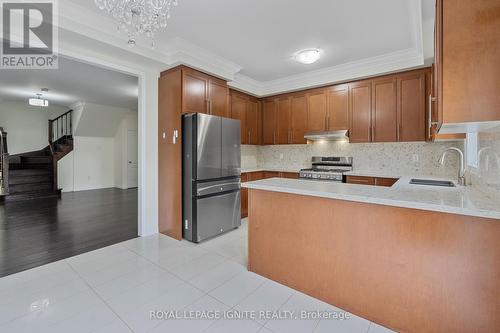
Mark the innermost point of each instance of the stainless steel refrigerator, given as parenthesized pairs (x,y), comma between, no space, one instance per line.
(211,176)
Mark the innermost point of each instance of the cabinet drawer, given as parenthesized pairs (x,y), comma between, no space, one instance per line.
(290,175)
(360,180)
(255,176)
(387,182)
(271,174)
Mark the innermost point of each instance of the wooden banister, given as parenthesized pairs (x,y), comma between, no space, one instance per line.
(60,126)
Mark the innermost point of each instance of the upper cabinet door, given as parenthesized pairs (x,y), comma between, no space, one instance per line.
(195,89)
(253,122)
(411,107)
(218,93)
(283,121)
(238,112)
(470,60)
(268,122)
(317,112)
(360,111)
(384,110)
(298,118)
(338,108)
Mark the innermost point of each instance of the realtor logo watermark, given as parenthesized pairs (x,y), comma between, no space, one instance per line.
(29,34)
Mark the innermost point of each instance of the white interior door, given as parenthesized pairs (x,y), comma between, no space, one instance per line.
(132,159)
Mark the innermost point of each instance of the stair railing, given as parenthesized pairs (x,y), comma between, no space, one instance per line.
(60,127)
(4,166)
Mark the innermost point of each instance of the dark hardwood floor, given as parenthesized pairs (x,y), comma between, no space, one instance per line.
(39,231)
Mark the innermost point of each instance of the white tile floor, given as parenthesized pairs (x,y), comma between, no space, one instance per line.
(115,288)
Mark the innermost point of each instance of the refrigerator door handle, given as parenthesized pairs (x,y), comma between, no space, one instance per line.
(221,186)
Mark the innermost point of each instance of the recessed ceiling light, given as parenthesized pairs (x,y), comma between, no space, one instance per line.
(308,56)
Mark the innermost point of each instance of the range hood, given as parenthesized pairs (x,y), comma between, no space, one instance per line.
(341,135)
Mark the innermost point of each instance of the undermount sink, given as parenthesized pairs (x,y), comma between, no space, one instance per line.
(443,183)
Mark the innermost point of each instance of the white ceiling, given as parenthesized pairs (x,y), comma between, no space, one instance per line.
(72,82)
(262,36)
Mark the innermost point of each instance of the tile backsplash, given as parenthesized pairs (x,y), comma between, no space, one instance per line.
(486,177)
(414,158)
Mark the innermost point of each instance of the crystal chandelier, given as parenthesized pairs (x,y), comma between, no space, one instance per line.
(139,16)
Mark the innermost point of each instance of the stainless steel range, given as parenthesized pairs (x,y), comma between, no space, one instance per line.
(327,168)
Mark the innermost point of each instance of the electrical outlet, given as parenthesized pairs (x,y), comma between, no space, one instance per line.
(415,158)
(281,156)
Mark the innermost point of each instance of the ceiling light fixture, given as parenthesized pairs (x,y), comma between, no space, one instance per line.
(308,56)
(39,101)
(139,16)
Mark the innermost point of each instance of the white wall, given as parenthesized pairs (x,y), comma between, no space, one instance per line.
(99,160)
(27,126)
(99,120)
(89,166)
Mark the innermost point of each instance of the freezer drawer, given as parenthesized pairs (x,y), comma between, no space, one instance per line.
(218,186)
(217,214)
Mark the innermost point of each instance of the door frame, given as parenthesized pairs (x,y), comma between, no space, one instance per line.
(142,228)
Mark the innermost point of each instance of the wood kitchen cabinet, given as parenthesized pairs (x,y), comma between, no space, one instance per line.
(269,107)
(169,153)
(390,108)
(239,112)
(317,112)
(272,174)
(254,121)
(246,109)
(203,93)
(466,69)
(328,109)
(412,106)
(384,116)
(218,98)
(290,175)
(338,108)
(283,121)
(373,181)
(298,114)
(360,99)
(244,195)
(194,91)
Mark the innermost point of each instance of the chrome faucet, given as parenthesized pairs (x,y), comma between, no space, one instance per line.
(461,170)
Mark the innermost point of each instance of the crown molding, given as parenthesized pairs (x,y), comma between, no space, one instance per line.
(387,63)
(179,51)
(247,84)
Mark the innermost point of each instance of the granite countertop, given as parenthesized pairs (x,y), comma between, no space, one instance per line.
(459,200)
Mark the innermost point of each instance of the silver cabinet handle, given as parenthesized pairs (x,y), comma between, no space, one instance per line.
(175,136)
(431,99)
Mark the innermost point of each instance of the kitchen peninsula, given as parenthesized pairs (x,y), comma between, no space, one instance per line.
(413,258)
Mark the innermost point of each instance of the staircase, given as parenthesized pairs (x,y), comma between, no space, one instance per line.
(33,175)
